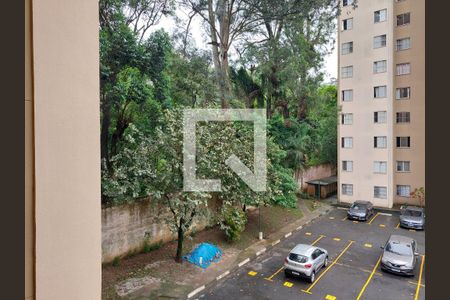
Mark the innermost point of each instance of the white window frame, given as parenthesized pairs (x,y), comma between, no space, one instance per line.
(376,66)
(401,140)
(382,15)
(347,72)
(379,41)
(349,93)
(347,2)
(398,93)
(380,117)
(403,190)
(347,142)
(400,47)
(403,69)
(347,48)
(347,119)
(403,17)
(347,189)
(380,192)
(380,167)
(403,166)
(380,91)
(380,142)
(348,24)
(347,165)
(403,117)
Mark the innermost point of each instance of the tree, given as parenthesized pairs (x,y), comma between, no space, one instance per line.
(419,193)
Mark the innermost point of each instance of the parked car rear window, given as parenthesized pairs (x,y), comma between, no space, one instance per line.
(298,258)
(412,213)
(358,206)
(400,249)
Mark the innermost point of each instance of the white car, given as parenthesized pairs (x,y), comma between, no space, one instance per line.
(305,261)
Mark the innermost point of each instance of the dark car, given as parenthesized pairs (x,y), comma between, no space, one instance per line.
(412,217)
(400,255)
(360,210)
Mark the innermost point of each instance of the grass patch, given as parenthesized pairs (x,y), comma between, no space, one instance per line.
(151,247)
(311,204)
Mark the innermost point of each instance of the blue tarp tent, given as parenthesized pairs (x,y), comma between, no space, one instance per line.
(204,255)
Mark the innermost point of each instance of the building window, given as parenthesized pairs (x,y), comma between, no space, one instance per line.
(347,95)
(403,19)
(403,44)
(402,93)
(347,165)
(379,41)
(380,91)
(379,117)
(347,72)
(347,142)
(403,117)
(380,192)
(347,119)
(403,166)
(380,66)
(403,69)
(403,142)
(347,2)
(380,167)
(347,24)
(379,142)
(380,16)
(347,48)
(403,190)
(347,189)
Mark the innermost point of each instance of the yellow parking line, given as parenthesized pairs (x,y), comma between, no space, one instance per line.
(368,279)
(355,222)
(331,218)
(308,233)
(318,239)
(336,239)
(420,278)
(344,219)
(368,245)
(288,284)
(329,267)
(370,222)
(382,225)
(252,273)
(412,230)
(330,297)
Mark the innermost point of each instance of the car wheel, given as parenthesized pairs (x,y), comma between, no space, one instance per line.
(312,278)
(325,264)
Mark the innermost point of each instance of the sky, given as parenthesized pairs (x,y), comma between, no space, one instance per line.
(168,23)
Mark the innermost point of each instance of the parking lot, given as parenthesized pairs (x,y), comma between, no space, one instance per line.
(353,271)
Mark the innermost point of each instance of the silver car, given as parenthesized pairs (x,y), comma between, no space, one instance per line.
(400,255)
(412,217)
(305,261)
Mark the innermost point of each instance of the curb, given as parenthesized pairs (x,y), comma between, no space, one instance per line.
(254,256)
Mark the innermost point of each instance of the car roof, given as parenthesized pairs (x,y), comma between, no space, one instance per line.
(416,208)
(400,239)
(303,249)
(362,202)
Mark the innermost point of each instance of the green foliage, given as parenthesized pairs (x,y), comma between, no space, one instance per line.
(151,247)
(116,261)
(232,222)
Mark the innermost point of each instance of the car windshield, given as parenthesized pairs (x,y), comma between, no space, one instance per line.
(298,258)
(358,206)
(412,213)
(398,248)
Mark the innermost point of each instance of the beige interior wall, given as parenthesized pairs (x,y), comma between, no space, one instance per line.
(67,149)
(29,163)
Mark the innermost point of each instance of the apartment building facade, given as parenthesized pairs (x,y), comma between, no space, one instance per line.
(381,82)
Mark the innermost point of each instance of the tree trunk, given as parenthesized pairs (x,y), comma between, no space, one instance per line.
(180,243)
